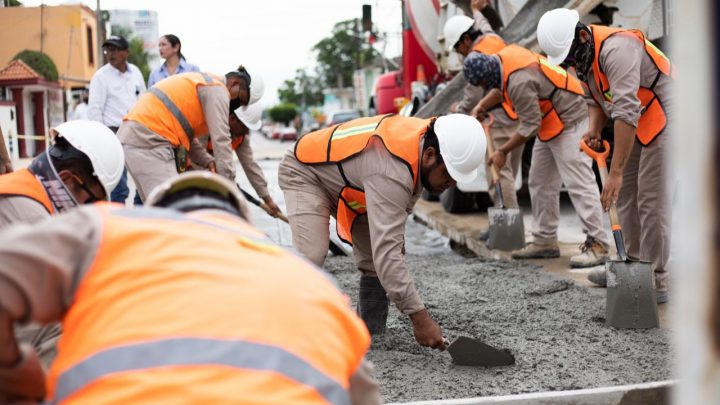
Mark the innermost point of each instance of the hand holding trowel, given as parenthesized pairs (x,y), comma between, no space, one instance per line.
(631,301)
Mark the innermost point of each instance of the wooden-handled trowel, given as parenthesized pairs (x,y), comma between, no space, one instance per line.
(466,351)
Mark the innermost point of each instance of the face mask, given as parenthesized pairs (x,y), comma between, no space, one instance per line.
(45,172)
(584,59)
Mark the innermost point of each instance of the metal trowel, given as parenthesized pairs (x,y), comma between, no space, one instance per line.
(466,351)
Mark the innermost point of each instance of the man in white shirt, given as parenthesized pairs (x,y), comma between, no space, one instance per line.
(114,89)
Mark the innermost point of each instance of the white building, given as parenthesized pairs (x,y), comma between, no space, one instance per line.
(143,24)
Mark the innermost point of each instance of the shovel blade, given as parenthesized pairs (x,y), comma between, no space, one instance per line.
(631,302)
(507,231)
(467,351)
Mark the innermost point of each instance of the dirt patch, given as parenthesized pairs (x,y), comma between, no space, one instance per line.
(555,329)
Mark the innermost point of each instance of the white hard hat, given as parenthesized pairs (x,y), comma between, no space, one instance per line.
(100,145)
(257,86)
(462,145)
(199,189)
(250,115)
(454,27)
(555,33)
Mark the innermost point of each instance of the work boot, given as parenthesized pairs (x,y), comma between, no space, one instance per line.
(373,304)
(484,234)
(592,254)
(537,251)
(598,277)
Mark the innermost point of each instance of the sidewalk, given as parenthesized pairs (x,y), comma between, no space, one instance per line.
(463,229)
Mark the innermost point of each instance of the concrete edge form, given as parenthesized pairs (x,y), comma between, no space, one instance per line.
(646,393)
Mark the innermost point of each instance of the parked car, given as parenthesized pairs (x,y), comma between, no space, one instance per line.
(339,117)
(288,134)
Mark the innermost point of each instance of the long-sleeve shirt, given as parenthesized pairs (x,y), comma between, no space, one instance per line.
(529,85)
(113,93)
(627,67)
(214,101)
(162,72)
(390,196)
(40,285)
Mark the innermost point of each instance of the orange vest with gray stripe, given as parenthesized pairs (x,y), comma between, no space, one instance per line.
(23,183)
(514,58)
(202,309)
(653,119)
(400,135)
(172,109)
(489,44)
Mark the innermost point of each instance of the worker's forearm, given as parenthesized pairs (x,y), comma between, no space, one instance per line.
(624,140)
(596,119)
(9,352)
(491,99)
(513,143)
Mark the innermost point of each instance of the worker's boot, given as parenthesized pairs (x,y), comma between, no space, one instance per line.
(592,253)
(537,251)
(373,305)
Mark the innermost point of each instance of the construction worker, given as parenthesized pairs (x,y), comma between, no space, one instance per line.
(548,103)
(466,35)
(630,82)
(5,160)
(83,166)
(368,173)
(162,128)
(182,304)
(242,120)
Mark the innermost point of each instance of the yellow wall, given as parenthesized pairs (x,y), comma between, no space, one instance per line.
(65,37)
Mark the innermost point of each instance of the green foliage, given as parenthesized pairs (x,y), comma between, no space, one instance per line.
(284,112)
(40,62)
(340,54)
(136,53)
(302,90)
(14,3)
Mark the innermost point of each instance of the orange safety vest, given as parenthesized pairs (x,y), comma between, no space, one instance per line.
(489,44)
(235,143)
(202,308)
(172,109)
(653,119)
(401,136)
(514,58)
(23,183)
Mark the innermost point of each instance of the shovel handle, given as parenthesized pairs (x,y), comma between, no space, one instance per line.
(493,170)
(599,156)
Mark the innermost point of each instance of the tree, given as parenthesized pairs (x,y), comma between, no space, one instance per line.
(40,62)
(284,113)
(340,54)
(137,54)
(302,90)
(13,3)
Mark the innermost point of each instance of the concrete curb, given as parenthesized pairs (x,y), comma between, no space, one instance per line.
(656,393)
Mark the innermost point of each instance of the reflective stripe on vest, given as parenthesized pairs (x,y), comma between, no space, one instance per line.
(23,183)
(400,135)
(489,44)
(653,119)
(515,58)
(198,351)
(172,108)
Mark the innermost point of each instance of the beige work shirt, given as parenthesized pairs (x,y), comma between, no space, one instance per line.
(39,285)
(390,196)
(215,103)
(14,209)
(529,85)
(627,67)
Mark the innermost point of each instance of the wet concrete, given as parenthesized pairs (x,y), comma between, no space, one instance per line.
(555,329)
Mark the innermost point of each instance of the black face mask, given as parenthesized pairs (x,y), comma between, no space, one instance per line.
(581,55)
(61,198)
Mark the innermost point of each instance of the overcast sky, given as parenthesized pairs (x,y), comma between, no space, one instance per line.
(273,35)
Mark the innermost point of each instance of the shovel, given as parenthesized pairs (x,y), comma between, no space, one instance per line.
(335,247)
(631,301)
(466,351)
(507,231)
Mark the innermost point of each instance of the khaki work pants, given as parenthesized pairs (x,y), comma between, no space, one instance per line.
(644,207)
(557,162)
(149,167)
(500,135)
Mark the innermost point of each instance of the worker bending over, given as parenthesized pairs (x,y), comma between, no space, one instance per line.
(368,173)
(548,103)
(630,82)
(183,304)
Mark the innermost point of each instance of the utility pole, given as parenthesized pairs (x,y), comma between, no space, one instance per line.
(42,28)
(100,23)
